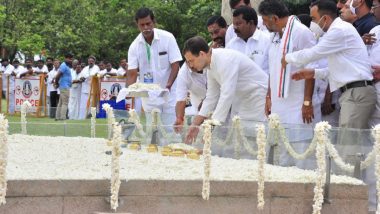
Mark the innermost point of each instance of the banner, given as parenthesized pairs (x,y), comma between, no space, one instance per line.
(109,88)
(28,89)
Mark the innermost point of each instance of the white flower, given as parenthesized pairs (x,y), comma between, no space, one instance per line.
(3,157)
(261,157)
(115,166)
(207,126)
(93,121)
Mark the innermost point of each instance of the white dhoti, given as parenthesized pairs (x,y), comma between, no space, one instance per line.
(74,103)
(83,106)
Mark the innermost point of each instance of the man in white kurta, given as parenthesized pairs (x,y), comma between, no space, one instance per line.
(9,72)
(235,84)
(155,55)
(193,82)
(85,76)
(349,67)
(75,93)
(250,40)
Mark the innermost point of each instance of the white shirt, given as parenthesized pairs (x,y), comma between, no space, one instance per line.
(289,109)
(256,48)
(164,51)
(87,73)
(230,33)
(44,69)
(51,76)
(374,49)
(236,83)
(345,51)
(8,70)
(193,82)
(104,72)
(121,71)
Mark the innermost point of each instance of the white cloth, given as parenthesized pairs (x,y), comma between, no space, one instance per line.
(374,57)
(104,72)
(164,51)
(256,48)
(345,51)
(236,83)
(75,97)
(193,83)
(289,109)
(44,69)
(121,71)
(87,73)
(230,33)
(9,71)
(50,77)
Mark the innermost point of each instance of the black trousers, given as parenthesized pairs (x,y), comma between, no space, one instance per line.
(54,98)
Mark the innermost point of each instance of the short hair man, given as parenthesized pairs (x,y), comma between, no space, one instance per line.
(63,80)
(349,67)
(123,67)
(217,27)
(365,19)
(234,83)
(85,76)
(250,40)
(156,56)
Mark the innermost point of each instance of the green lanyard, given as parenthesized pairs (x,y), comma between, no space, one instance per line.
(148,52)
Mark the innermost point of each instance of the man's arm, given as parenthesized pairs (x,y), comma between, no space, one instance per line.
(173,74)
(307,110)
(132,76)
(180,115)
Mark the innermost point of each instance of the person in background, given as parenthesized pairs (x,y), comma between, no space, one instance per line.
(217,27)
(52,92)
(123,68)
(75,93)
(63,82)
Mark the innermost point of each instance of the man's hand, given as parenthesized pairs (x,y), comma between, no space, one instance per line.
(168,86)
(376,72)
(268,105)
(369,39)
(303,74)
(283,61)
(178,125)
(307,114)
(192,134)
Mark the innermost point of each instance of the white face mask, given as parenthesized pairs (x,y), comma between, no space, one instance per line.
(316,29)
(352,8)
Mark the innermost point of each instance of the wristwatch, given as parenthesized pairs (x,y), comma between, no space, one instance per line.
(307,103)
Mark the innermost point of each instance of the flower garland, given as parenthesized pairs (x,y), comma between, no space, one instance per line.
(239,137)
(261,157)
(337,159)
(207,126)
(115,166)
(274,123)
(24,109)
(110,117)
(93,121)
(376,134)
(134,118)
(320,133)
(157,123)
(3,157)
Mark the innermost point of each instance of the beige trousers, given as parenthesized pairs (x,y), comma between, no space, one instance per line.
(63,104)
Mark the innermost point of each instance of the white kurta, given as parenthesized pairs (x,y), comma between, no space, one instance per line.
(8,70)
(374,56)
(234,84)
(75,97)
(289,109)
(193,83)
(87,73)
(104,72)
(163,52)
(256,48)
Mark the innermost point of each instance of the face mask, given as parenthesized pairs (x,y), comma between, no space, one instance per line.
(316,29)
(352,8)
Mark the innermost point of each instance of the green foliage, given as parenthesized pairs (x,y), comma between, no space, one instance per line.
(104,28)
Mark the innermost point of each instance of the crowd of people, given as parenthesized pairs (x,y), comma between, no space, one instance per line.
(67,83)
(303,67)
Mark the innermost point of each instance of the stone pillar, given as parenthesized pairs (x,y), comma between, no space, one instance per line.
(226,10)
